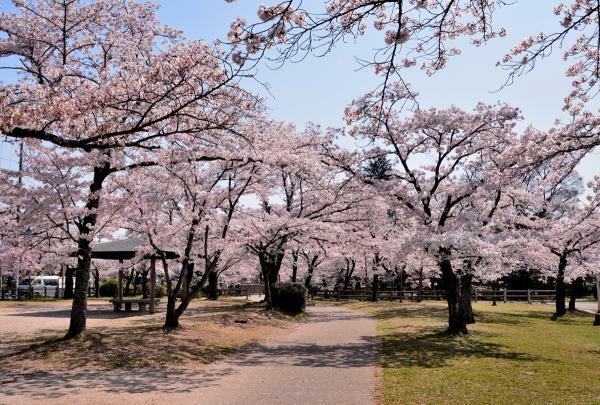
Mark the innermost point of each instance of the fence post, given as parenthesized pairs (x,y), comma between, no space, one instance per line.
(505,295)
(476,297)
(45,292)
(528,296)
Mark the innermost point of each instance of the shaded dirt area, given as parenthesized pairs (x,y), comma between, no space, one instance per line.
(328,358)
(31,337)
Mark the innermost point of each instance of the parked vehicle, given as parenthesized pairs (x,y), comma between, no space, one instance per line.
(41,286)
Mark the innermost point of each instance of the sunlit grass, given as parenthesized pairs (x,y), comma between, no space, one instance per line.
(515,354)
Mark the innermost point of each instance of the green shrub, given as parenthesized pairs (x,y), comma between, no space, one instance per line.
(289,297)
(109,288)
(161,291)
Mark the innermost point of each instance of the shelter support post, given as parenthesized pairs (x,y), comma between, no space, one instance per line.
(120,282)
(151,304)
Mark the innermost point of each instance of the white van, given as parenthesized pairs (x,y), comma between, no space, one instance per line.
(43,286)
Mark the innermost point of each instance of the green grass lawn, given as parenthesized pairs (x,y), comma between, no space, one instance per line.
(514,355)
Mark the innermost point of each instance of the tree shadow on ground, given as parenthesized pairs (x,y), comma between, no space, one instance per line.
(352,355)
(438,349)
(120,348)
(143,343)
(525,317)
(57,384)
(413,311)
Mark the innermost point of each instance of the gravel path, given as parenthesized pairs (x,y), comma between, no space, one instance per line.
(587,306)
(328,359)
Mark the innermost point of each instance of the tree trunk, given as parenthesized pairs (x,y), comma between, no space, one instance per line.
(420,286)
(274,267)
(574,291)
(68,293)
(171,318)
(456,318)
(307,281)
(144,281)
(560,287)
(128,283)
(77,324)
(401,285)
(266,266)
(465,296)
(268,298)
(375,291)
(213,285)
(97,283)
(295,254)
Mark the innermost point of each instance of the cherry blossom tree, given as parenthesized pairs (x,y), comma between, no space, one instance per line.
(108,80)
(190,210)
(447,178)
(562,227)
(299,196)
(414,33)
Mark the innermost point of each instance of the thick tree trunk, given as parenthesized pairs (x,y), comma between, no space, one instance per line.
(213,285)
(307,281)
(174,311)
(420,286)
(456,318)
(575,285)
(346,282)
(171,318)
(268,298)
(267,265)
(68,293)
(375,290)
(560,287)
(295,255)
(77,324)
(465,296)
(274,268)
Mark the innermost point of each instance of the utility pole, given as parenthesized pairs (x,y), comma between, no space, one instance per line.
(20,185)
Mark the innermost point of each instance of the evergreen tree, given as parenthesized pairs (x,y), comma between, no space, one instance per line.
(378,168)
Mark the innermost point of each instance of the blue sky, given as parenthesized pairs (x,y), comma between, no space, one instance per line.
(318,89)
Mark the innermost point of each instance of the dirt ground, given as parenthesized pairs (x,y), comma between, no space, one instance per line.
(229,352)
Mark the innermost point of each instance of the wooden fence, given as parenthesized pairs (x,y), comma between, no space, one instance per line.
(477,294)
(244,290)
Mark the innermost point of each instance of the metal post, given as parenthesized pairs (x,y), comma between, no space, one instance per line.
(151,306)
(505,295)
(597,319)
(528,296)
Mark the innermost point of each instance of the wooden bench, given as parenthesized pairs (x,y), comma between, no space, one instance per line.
(142,304)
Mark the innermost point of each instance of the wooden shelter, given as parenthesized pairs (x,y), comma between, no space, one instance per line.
(127,249)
